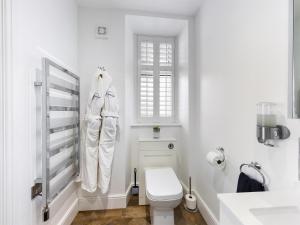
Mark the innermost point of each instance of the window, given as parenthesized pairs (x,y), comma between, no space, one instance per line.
(155,79)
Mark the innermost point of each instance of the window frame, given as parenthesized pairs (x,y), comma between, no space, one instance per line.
(156,76)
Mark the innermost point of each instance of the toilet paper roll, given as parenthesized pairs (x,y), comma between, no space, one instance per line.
(190,201)
(214,157)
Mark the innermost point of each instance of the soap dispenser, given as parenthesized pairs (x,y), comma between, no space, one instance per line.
(267,129)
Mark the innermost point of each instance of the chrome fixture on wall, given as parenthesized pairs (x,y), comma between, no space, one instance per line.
(256,166)
(59,132)
(267,129)
(217,158)
(222,151)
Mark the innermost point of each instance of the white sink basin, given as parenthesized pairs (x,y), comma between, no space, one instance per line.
(289,215)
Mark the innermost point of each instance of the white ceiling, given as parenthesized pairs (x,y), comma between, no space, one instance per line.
(155,26)
(176,7)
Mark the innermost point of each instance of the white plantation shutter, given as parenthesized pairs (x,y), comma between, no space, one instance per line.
(165,94)
(147,53)
(146,93)
(165,54)
(155,79)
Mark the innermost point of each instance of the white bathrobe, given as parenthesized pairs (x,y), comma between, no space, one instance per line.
(91,138)
(108,136)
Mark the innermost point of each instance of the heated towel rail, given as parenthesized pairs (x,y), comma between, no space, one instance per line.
(60,131)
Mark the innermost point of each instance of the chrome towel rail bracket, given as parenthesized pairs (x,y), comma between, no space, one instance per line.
(36,189)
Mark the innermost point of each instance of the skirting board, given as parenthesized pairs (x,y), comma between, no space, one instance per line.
(128,191)
(71,213)
(116,201)
(203,208)
(64,208)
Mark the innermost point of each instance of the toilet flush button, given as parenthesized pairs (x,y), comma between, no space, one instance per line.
(171,146)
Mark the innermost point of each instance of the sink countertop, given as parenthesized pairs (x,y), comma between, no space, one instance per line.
(241,203)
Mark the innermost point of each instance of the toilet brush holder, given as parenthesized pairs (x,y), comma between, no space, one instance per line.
(135,187)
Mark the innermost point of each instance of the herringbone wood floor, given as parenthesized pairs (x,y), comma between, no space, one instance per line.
(133,215)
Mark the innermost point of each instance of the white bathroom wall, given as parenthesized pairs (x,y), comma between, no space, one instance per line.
(4,205)
(110,53)
(39,28)
(242,59)
(117,54)
(183,100)
(296,49)
(130,85)
(159,26)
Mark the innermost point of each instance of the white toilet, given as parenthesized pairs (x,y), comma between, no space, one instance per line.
(159,185)
(164,192)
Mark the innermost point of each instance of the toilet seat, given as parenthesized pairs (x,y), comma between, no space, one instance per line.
(162,184)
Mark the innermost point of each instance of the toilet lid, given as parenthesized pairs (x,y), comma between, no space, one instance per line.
(162,184)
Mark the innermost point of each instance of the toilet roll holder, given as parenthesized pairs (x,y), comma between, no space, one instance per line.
(222,151)
(189,197)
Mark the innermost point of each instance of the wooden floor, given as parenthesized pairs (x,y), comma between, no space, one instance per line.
(133,215)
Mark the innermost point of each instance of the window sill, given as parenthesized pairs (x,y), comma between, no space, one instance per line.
(156,124)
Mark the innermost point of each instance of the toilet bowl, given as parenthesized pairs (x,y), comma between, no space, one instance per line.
(164,192)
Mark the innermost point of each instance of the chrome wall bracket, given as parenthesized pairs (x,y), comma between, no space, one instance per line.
(221,149)
(36,189)
(38,83)
(257,167)
(267,135)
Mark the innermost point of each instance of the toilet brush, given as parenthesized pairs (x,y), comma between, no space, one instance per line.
(135,188)
(190,199)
